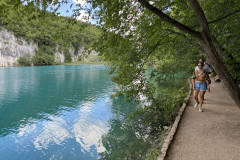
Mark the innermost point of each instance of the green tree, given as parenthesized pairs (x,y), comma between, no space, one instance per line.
(41,59)
(67,55)
(189,19)
(25,60)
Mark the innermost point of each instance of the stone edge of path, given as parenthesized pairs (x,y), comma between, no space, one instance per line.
(168,140)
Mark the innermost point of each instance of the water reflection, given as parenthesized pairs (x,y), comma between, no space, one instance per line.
(63,112)
(45,90)
(88,132)
(122,140)
(52,132)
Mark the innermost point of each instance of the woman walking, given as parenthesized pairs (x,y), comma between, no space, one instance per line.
(200,85)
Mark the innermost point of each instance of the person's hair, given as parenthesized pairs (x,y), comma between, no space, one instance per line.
(199,63)
(201,59)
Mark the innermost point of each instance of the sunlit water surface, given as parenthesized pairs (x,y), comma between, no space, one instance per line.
(64,112)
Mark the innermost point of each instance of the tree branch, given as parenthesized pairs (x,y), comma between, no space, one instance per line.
(170,20)
(219,19)
(201,17)
(216,20)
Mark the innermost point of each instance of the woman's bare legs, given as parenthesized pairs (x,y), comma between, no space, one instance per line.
(195,94)
(201,100)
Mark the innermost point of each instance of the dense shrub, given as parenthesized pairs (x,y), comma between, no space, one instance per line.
(47,49)
(79,58)
(42,59)
(25,60)
(68,58)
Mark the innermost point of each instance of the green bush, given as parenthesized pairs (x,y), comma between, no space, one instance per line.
(68,58)
(79,58)
(42,59)
(47,49)
(92,58)
(163,110)
(25,60)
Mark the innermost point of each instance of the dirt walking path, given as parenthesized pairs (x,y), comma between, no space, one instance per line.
(213,134)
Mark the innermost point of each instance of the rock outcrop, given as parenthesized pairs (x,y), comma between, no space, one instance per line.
(12,47)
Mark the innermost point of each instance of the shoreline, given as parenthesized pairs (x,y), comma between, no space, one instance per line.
(84,63)
(63,64)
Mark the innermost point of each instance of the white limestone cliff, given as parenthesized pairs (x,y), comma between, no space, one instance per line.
(11,48)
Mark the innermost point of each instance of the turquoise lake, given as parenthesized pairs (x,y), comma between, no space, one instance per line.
(64,112)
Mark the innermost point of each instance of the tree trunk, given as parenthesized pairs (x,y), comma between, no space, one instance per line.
(212,54)
(221,69)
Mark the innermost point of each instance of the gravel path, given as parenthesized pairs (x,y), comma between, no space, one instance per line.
(213,134)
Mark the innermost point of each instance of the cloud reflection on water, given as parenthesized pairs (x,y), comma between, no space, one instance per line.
(86,130)
(53,132)
(89,134)
(62,115)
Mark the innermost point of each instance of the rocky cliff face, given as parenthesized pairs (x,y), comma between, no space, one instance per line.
(11,48)
(59,57)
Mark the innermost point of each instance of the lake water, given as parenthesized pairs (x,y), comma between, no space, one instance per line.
(64,112)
